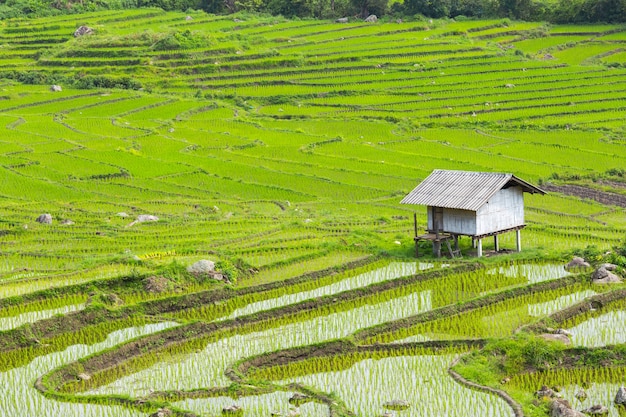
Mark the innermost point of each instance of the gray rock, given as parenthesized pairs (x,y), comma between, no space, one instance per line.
(550,337)
(620,397)
(122,214)
(563,331)
(188,18)
(546,392)
(596,410)
(562,408)
(342,20)
(55,88)
(162,412)
(509,85)
(45,218)
(371,18)
(147,218)
(202,267)
(609,267)
(576,263)
(82,31)
(232,409)
(604,276)
(299,399)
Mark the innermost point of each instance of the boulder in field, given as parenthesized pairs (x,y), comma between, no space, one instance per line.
(55,88)
(371,18)
(147,218)
(559,337)
(577,263)
(45,218)
(604,276)
(232,410)
(143,218)
(596,410)
(546,392)
(562,408)
(342,20)
(82,31)
(203,266)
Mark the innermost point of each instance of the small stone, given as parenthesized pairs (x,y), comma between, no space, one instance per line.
(188,18)
(84,377)
(122,214)
(509,85)
(55,88)
(67,222)
(342,20)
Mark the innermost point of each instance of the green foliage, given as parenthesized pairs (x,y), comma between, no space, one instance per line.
(185,39)
(175,271)
(228,269)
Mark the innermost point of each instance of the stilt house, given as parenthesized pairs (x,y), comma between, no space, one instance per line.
(475,204)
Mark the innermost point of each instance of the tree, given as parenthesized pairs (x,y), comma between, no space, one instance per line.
(366,7)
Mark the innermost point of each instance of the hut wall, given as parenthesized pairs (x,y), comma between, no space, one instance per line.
(504,210)
(461,222)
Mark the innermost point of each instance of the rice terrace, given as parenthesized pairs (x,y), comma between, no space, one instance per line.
(200,216)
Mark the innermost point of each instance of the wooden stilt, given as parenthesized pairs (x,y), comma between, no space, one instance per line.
(496,244)
(518,240)
(479,248)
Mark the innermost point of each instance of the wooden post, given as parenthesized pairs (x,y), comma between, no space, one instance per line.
(456,242)
(479,246)
(437,248)
(473,242)
(518,240)
(417,249)
(496,244)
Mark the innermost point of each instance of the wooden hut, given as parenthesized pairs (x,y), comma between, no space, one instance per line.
(475,204)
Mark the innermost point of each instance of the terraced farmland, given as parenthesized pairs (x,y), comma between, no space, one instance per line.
(281,149)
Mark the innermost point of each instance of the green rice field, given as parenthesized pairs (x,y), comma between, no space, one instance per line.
(280,149)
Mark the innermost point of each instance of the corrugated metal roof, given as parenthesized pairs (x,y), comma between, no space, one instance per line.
(465,190)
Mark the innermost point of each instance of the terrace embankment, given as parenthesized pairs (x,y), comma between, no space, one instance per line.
(370,334)
(65,378)
(32,334)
